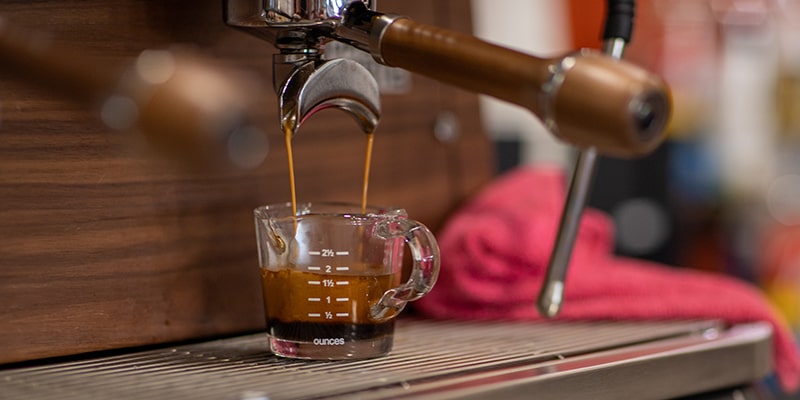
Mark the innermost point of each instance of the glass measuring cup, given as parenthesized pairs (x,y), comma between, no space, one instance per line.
(331,277)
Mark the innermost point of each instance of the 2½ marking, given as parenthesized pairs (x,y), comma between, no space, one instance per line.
(328,253)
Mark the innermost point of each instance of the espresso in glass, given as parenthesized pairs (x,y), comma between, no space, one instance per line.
(327,308)
(331,277)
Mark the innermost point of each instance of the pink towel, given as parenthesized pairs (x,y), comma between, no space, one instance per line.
(496,248)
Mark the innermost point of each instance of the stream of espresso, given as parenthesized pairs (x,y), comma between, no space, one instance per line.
(367,163)
(288,133)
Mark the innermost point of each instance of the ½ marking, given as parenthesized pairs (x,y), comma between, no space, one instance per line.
(314,315)
(342,314)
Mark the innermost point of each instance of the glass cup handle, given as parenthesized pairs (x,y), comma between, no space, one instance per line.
(424,271)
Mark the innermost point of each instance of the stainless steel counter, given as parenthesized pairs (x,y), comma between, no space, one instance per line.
(431,359)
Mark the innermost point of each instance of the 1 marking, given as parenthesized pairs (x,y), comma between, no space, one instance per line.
(342,299)
(314,299)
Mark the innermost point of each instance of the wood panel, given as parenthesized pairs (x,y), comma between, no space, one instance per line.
(103,245)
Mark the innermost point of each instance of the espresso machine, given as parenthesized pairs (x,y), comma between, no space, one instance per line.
(592,101)
(589,99)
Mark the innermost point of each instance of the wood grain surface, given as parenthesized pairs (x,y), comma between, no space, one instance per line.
(104,245)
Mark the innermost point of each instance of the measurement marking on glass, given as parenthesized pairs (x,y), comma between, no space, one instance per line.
(314,299)
(314,315)
(314,253)
(342,253)
(342,299)
(314,282)
(342,314)
(313,268)
(342,283)
(343,268)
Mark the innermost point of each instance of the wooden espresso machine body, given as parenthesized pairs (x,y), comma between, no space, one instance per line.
(105,245)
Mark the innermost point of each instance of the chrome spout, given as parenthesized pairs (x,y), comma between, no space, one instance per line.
(311,85)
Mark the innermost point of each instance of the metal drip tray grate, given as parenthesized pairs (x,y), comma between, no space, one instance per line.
(432,359)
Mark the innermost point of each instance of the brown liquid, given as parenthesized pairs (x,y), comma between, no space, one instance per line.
(367,163)
(305,306)
(288,133)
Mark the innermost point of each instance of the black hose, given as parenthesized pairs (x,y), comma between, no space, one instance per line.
(619,19)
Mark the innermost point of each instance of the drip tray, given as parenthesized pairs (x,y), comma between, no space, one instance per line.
(431,359)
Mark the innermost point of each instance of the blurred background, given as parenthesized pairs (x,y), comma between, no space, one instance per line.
(723,193)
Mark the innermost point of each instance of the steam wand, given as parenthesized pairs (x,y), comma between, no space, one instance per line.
(619,25)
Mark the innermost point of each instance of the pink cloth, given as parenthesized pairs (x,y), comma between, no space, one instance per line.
(496,248)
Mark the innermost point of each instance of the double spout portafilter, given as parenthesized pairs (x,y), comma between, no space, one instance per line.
(587,98)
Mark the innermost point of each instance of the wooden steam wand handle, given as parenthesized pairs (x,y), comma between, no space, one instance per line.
(586,98)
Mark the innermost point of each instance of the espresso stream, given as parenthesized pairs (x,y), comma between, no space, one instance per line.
(307,307)
(288,133)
